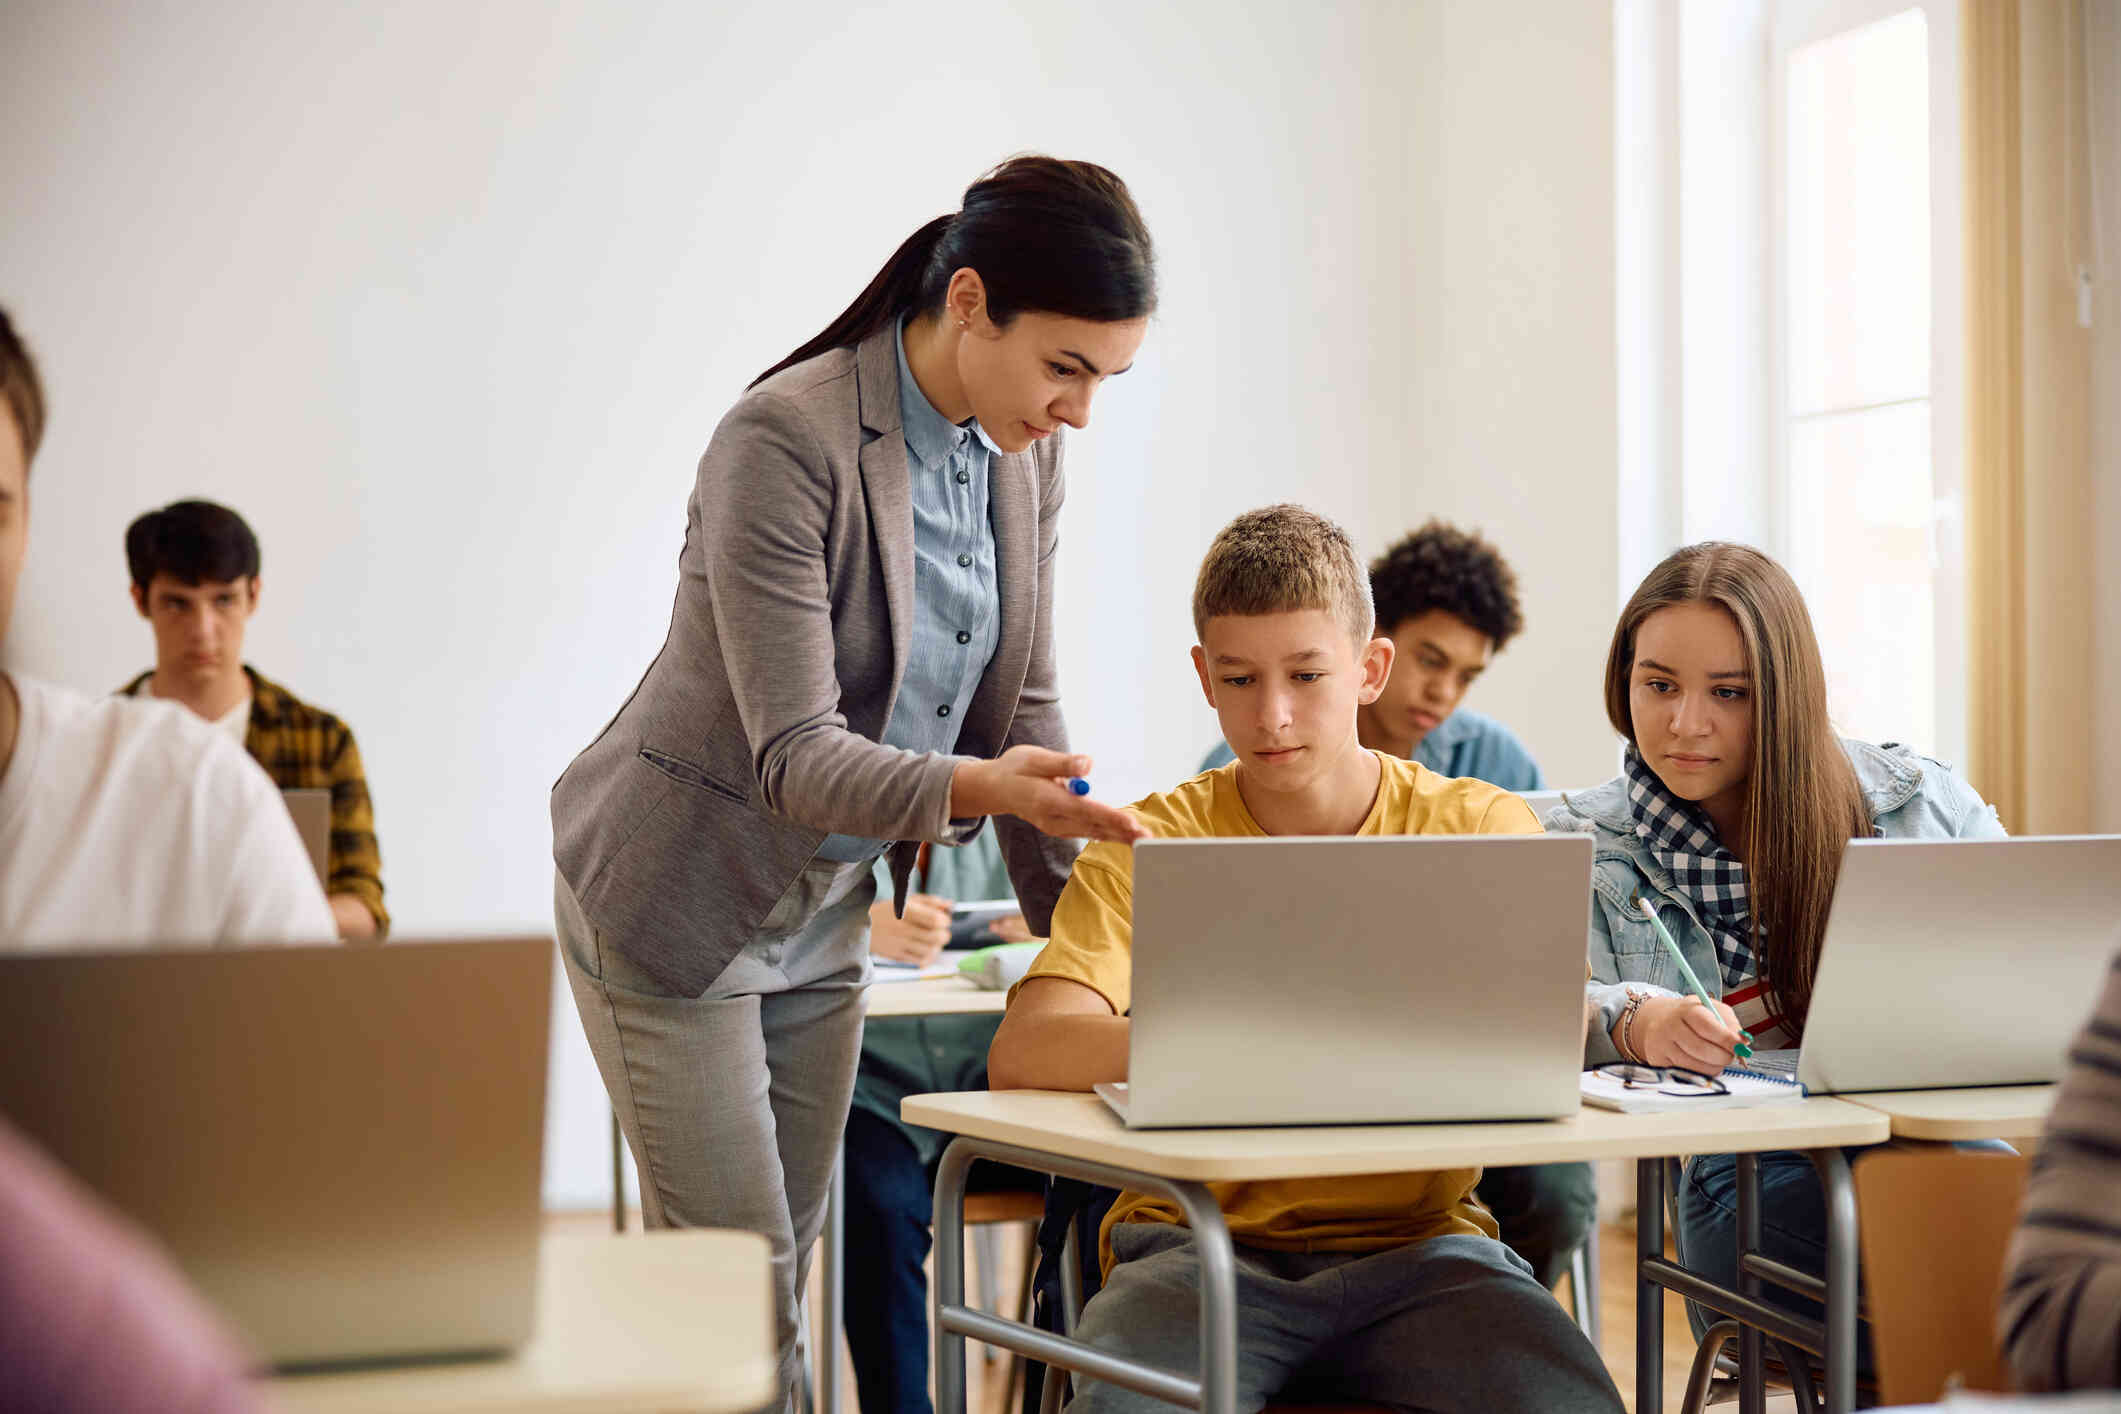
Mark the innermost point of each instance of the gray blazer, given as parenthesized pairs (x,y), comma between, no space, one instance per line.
(754,733)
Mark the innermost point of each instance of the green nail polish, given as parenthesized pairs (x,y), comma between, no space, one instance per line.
(1744,1051)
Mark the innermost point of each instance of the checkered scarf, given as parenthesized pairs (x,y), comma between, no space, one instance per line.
(1683,839)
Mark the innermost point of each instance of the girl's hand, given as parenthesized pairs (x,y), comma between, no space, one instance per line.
(1680,1031)
(1031,783)
(917,938)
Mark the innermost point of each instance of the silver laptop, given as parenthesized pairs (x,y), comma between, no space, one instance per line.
(1356,979)
(1960,962)
(311,808)
(340,1146)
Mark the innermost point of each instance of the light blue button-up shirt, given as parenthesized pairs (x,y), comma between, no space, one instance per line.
(956,606)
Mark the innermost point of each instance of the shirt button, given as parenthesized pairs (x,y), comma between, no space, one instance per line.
(964,562)
(963,637)
(943,711)
(964,477)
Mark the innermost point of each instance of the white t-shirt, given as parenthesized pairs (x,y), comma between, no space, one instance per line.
(127,822)
(235,721)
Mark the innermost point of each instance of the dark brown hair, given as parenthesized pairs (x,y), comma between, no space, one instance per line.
(193,542)
(1044,234)
(1803,802)
(21,390)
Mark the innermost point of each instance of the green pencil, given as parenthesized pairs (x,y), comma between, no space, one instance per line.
(1671,945)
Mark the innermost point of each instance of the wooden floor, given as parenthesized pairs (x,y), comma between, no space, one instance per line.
(984,1380)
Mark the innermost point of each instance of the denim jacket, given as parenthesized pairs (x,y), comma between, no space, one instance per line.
(1910,796)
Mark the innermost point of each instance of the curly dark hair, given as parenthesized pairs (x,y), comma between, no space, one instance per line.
(1442,567)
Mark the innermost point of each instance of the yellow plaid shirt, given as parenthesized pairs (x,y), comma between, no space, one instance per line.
(306,748)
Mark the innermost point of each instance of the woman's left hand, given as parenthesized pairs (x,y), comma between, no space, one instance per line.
(1031,783)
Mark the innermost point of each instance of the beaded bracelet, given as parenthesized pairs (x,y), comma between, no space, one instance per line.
(1627,1027)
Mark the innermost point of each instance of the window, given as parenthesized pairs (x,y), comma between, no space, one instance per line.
(1868,432)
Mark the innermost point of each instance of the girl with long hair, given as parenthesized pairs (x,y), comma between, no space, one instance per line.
(1734,804)
(860,658)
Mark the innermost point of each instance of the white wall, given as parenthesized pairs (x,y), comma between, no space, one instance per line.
(447,299)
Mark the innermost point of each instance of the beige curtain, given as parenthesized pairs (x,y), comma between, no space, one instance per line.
(2030,649)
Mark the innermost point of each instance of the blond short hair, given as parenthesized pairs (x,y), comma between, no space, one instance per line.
(1281,560)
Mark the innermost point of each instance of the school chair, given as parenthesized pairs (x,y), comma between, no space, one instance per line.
(1583,1284)
(1713,1378)
(1936,1223)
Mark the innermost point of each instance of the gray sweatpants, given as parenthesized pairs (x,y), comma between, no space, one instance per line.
(734,1101)
(1451,1324)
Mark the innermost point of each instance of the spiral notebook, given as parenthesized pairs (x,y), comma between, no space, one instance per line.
(1766,1080)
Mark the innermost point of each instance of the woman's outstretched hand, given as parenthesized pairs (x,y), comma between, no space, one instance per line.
(1031,783)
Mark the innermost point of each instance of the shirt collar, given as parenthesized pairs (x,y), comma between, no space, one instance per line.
(929,435)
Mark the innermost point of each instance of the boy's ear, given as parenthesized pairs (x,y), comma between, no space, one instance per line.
(139,600)
(1376,669)
(1200,668)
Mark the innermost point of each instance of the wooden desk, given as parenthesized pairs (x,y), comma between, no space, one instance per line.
(1077,1136)
(678,1320)
(1981,1112)
(1082,1127)
(937,996)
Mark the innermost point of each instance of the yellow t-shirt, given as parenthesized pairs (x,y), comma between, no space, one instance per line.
(1092,944)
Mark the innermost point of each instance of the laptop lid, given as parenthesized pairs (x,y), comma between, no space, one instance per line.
(1356,979)
(311,809)
(340,1146)
(1960,962)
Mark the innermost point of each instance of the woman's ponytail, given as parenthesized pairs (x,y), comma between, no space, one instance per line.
(896,287)
(1044,234)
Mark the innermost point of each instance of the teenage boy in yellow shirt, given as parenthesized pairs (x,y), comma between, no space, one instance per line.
(1389,1288)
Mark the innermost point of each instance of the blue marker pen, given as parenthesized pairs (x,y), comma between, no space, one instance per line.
(1078,785)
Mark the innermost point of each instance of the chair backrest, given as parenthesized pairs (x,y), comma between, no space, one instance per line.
(1935,1225)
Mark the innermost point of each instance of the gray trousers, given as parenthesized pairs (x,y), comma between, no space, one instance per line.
(1453,1324)
(734,1101)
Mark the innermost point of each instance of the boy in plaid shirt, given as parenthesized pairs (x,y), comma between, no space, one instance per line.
(195,580)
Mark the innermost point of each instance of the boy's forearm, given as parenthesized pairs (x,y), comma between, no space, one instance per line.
(1066,1051)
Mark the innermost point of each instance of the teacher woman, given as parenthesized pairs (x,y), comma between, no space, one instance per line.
(860,658)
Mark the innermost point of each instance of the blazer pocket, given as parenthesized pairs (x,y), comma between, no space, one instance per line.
(691,775)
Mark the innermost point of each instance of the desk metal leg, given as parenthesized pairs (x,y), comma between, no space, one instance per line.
(1213,1392)
(1840,1302)
(828,1341)
(1752,1381)
(1649,1295)
(618,1175)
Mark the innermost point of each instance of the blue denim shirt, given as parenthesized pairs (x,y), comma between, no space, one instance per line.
(1463,744)
(1911,797)
(956,606)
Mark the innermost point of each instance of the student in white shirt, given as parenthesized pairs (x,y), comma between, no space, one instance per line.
(126,822)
